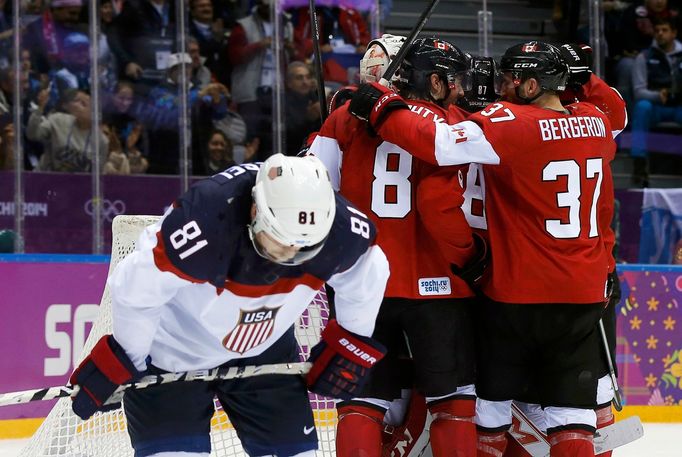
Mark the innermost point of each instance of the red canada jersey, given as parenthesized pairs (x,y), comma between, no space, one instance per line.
(611,103)
(415,205)
(541,189)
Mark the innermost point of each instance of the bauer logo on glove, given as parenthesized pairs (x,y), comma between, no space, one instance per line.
(356,351)
(341,362)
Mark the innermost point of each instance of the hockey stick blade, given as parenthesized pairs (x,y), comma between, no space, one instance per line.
(618,434)
(227,373)
(606,439)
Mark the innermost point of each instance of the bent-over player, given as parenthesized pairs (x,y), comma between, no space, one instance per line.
(220,281)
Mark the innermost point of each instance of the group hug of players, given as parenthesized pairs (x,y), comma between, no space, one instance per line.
(461,212)
(489,180)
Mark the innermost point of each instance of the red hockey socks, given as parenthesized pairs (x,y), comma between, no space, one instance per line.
(491,444)
(604,418)
(359,431)
(571,443)
(453,431)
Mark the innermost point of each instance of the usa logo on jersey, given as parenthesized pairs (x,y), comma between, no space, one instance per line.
(254,328)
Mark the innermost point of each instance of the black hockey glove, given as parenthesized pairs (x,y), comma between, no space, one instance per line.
(341,362)
(613,292)
(579,60)
(372,102)
(99,375)
(472,271)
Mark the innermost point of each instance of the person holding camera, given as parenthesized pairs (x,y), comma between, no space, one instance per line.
(657,82)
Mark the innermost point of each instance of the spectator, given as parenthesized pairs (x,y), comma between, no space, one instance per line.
(253,72)
(161,112)
(6,142)
(44,37)
(118,111)
(209,33)
(634,34)
(218,153)
(201,75)
(302,107)
(234,127)
(107,14)
(117,162)
(146,31)
(6,32)
(342,31)
(657,82)
(67,137)
(138,163)
(6,89)
(73,69)
(30,86)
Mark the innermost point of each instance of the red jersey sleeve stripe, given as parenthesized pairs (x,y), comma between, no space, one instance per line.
(281,286)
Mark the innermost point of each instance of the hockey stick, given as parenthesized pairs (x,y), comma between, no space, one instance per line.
(221,374)
(398,59)
(535,442)
(317,53)
(617,398)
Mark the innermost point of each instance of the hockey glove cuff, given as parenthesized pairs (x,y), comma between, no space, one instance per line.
(372,102)
(613,292)
(341,362)
(579,60)
(99,375)
(472,271)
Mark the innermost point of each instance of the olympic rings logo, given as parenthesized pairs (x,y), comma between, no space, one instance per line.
(109,209)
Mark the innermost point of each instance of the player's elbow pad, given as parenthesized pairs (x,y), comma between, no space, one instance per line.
(472,271)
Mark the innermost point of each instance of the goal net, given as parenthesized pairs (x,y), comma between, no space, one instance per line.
(65,434)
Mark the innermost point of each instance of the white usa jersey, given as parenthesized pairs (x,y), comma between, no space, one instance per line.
(195,294)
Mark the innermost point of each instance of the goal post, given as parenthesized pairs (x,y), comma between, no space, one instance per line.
(105,435)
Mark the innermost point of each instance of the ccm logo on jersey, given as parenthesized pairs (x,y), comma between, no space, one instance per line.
(357,352)
(525,65)
(383,100)
(434,286)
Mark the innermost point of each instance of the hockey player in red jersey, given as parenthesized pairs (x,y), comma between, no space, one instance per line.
(585,86)
(547,200)
(432,254)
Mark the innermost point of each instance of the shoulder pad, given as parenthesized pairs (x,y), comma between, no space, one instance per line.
(351,236)
(197,236)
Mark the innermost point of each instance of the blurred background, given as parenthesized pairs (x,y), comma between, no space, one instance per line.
(114,106)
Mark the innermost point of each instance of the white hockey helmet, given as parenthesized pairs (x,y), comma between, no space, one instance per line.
(295,205)
(378,56)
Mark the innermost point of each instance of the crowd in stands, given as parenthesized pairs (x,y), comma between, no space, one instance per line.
(644,62)
(229,67)
(230,64)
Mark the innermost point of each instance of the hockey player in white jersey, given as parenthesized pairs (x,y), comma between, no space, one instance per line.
(220,281)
